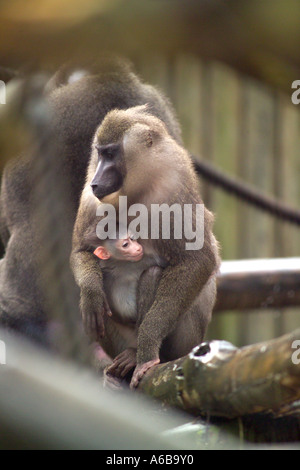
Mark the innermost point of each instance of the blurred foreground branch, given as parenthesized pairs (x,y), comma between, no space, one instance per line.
(47,403)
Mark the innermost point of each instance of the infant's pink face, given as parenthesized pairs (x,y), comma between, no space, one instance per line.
(129,249)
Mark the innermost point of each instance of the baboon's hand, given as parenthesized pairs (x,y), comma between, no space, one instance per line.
(93,310)
(140,370)
(123,363)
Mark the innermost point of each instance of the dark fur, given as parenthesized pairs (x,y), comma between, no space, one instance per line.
(78,108)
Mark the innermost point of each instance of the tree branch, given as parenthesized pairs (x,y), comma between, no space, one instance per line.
(218,379)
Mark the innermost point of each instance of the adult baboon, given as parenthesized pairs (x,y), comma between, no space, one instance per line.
(135,156)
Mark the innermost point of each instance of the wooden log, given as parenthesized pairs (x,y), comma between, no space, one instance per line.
(218,379)
(262,283)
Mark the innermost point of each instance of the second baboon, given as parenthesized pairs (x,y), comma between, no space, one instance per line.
(78,99)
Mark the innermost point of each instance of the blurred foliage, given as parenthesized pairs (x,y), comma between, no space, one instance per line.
(61,11)
(259,38)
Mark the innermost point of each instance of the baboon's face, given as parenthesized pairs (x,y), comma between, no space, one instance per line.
(128,158)
(110,172)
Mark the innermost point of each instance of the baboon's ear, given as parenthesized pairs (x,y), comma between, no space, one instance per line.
(140,134)
(149,139)
(102,252)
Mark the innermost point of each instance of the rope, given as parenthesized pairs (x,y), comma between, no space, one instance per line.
(247,193)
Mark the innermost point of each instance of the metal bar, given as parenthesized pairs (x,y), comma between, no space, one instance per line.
(260,283)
